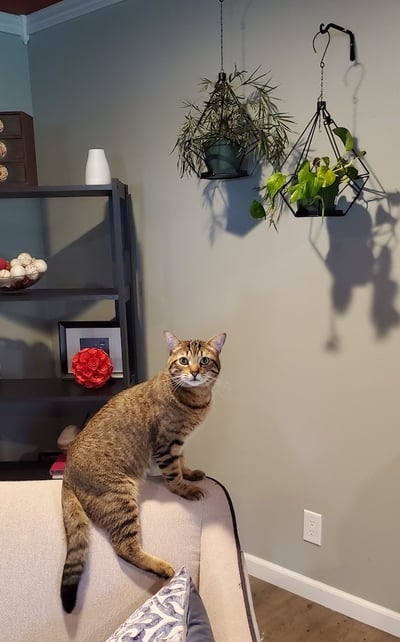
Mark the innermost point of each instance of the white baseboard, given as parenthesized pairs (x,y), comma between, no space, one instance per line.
(330,597)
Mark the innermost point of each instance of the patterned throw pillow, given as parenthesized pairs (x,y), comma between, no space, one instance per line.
(174,614)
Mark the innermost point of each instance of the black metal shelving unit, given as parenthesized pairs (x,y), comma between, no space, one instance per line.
(122,292)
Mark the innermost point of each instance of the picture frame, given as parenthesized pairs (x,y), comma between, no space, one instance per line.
(77,335)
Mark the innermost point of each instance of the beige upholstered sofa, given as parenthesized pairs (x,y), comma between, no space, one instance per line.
(201,536)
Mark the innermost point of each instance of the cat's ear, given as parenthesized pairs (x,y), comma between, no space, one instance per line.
(172,340)
(218,341)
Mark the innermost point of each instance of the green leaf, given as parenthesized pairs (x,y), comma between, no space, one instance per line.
(296,193)
(274,183)
(345,137)
(314,186)
(352,172)
(257,210)
(329,178)
(304,172)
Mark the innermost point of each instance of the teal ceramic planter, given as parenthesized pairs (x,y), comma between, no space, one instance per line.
(223,160)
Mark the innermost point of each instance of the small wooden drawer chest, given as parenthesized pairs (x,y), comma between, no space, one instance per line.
(17,150)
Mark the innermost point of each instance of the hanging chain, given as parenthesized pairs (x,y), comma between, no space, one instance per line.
(222,35)
(322,65)
(321,92)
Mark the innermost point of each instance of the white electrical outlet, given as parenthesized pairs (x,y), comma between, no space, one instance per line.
(312,527)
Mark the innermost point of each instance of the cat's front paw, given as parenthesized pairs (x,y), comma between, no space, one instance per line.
(193,475)
(187,491)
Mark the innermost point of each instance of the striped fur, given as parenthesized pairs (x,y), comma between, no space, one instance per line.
(110,457)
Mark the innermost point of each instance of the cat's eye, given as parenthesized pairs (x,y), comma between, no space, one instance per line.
(183,361)
(204,361)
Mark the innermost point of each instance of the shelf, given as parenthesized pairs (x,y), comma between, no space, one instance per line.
(120,291)
(86,294)
(24,470)
(48,191)
(39,390)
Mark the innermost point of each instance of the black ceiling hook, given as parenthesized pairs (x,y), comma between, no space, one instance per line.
(331,25)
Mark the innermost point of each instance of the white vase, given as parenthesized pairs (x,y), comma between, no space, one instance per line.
(97,170)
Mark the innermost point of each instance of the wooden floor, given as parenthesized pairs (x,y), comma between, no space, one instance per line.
(285,617)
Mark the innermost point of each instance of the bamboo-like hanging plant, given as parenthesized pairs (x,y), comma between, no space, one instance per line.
(240,110)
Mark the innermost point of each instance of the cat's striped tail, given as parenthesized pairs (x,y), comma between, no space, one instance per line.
(77,526)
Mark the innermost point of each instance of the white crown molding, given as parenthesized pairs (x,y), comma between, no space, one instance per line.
(61,12)
(10,23)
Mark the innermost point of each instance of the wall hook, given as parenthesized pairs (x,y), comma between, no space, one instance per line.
(331,25)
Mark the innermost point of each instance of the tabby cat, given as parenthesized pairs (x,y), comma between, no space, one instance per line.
(110,457)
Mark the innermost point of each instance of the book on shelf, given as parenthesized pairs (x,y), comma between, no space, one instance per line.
(57,467)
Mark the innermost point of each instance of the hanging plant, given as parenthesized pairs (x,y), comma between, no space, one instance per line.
(229,128)
(312,189)
(239,124)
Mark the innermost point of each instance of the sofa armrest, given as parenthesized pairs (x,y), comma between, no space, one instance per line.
(200,535)
(223,583)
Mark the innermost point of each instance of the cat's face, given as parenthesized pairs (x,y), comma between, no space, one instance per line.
(194,362)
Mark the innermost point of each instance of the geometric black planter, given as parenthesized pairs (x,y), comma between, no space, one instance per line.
(304,211)
(301,151)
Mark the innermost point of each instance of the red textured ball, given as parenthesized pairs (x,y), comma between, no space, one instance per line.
(91,367)
(3,263)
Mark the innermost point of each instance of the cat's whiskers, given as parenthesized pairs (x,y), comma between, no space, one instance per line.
(177,382)
(168,377)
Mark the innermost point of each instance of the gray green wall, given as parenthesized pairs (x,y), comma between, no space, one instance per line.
(306,413)
(14,75)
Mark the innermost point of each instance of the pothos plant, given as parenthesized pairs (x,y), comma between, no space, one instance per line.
(252,125)
(315,183)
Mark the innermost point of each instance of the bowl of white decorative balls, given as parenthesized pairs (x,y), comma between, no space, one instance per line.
(20,272)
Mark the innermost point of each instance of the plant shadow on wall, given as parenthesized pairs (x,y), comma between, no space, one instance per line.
(356,220)
(228,202)
(361,247)
(359,254)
